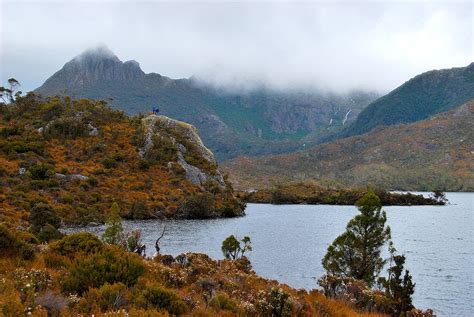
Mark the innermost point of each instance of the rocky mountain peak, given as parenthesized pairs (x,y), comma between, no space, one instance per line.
(96,53)
(90,67)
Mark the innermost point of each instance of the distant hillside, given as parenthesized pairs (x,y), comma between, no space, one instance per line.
(256,122)
(417,99)
(436,153)
(81,156)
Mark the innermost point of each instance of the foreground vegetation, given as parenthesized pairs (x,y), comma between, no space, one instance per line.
(80,274)
(76,157)
(312,193)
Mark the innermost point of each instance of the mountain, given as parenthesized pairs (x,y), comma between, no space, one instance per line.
(417,99)
(254,122)
(79,157)
(435,153)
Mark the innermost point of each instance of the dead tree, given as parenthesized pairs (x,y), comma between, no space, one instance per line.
(157,242)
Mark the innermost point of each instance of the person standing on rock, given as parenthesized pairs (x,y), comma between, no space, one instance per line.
(155,110)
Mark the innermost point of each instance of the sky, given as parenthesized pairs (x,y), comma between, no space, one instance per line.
(338,46)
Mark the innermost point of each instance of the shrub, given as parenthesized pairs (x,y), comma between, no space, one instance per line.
(109,163)
(276,302)
(112,265)
(11,244)
(82,242)
(155,296)
(143,165)
(92,181)
(139,210)
(40,171)
(65,128)
(48,233)
(118,157)
(107,297)
(44,222)
(198,206)
(54,260)
(222,301)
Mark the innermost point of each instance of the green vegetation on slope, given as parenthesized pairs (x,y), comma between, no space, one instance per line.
(419,98)
(432,154)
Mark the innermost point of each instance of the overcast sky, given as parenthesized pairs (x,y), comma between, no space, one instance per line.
(369,45)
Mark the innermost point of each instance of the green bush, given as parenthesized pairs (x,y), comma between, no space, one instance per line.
(40,171)
(11,244)
(82,242)
(109,163)
(48,233)
(111,265)
(143,165)
(44,218)
(92,181)
(139,210)
(68,127)
(198,206)
(155,296)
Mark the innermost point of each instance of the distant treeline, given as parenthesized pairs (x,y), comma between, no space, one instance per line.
(302,193)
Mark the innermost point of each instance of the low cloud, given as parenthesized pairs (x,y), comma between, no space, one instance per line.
(339,47)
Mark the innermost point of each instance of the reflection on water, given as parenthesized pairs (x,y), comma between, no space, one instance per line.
(289,242)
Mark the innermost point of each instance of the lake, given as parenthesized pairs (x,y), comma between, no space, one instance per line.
(289,242)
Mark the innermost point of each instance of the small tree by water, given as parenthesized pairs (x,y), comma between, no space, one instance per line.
(357,252)
(234,249)
(115,234)
(398,287)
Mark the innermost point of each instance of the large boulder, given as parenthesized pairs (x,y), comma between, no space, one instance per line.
(154,125)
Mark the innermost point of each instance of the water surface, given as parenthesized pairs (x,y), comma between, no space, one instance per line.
(289,242)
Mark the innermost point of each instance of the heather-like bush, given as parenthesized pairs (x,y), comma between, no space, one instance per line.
(223,301)
(112,265)
(48,233)
(11,244)
(139,210)
(82,242)
(40,171)
(67,127)
(155,296)
(44,222)
(109,297)
(275,302)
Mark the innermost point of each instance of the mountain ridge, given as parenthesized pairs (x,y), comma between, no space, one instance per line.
(417,99)
(435,153)
(261,121)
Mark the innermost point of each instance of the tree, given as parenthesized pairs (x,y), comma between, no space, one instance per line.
(234,249)
(8,95)
(157,241)
(114,233)
(357,252)
(397,288)
(439,196)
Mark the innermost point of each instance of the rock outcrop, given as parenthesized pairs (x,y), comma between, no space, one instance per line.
(161,126)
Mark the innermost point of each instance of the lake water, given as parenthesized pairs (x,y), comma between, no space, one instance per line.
(289,242)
